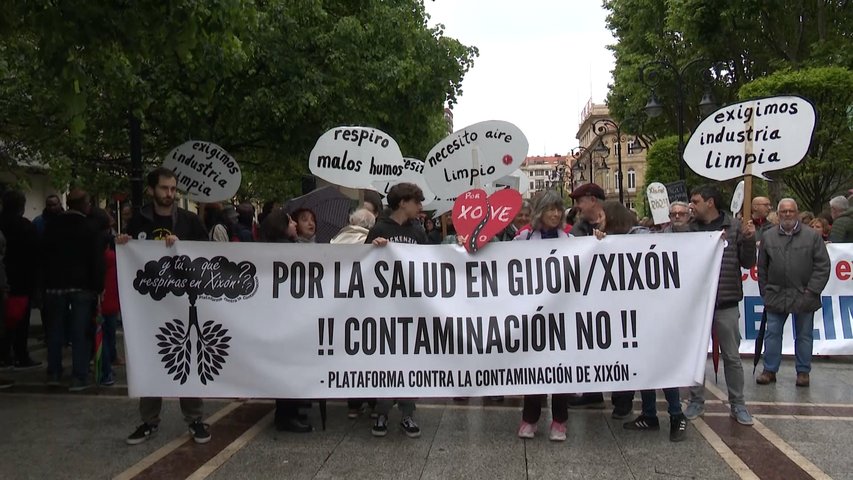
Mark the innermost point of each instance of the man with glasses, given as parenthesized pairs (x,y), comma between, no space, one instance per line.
(760,210)
(793,268)
(679,217)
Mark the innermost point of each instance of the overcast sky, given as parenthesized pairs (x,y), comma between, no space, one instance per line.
(540,62)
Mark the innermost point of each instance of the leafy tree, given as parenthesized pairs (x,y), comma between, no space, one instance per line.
(262,78)
(827,169)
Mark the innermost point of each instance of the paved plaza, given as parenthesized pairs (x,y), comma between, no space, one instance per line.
(798,433)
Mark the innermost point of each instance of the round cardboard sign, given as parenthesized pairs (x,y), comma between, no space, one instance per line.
(737,199)
(474,156)
(658,199)
(205,172)
(356,157)
(751,138)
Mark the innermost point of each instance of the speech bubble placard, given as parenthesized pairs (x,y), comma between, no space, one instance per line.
(737,198)
(658,199)
(205,172)
(474,156)
(751,138)
(356,157)
(413,172)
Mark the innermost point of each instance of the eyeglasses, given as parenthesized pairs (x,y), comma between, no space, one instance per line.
(679,214)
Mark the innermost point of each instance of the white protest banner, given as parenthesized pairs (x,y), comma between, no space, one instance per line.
(205,171)
(752,137)
(325,321)
(658,199)
(474,156)
(737,198)
(413,172)
(833,324)
(356,157)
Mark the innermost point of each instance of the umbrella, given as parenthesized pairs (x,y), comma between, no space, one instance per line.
(759,341)
(331,209)
(99,348)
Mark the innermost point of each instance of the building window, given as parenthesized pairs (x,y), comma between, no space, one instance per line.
(531,185)
(632,179)
(540,184)
(632,206)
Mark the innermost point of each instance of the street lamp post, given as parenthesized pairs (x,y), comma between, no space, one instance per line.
(654,108)
(601,128)
(577,154)
(557,175)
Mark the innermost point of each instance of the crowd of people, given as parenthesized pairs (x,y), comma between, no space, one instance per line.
(63,263)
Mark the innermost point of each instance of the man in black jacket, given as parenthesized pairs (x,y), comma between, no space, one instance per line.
(404,200)
(739,253)
(73,278)
(164,220)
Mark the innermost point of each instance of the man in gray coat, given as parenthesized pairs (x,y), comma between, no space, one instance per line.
(793,268)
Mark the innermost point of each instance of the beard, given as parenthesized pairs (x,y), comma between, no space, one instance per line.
(164,202)
(788,224)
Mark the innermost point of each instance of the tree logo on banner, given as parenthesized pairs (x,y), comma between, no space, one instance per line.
(212,279)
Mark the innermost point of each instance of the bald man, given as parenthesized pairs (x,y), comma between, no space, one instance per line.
(760,209)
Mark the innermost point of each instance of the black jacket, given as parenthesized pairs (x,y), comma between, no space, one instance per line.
(388,228)
(73,254)
(738,253)
(21,258)
(185,225)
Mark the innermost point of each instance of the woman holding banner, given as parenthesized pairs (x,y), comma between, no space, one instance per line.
(547,222)
(279,227)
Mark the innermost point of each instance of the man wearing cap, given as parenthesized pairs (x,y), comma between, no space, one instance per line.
(589,198)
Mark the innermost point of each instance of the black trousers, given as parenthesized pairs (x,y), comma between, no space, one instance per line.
(532,409)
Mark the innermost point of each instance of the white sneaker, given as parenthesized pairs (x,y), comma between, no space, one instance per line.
(526,430)
(558,432)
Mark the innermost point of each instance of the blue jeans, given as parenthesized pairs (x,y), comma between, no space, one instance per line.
(804,331)
(673,401)
(75,309)
(108,348)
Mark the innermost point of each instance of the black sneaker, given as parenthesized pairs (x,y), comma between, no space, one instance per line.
(141,434)
(200,431)
(642,423)
(5,383)
(410,427)
(380,428)
(27,364)
(677,427)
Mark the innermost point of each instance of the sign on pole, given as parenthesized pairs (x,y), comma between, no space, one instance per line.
(737,198)
(751,138)
(474,156)
(658,202)
(677,191)
(356,157)
(205,172)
